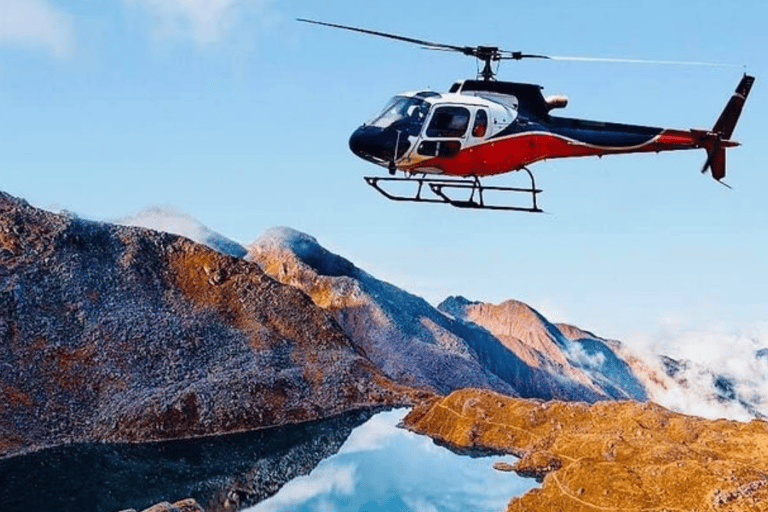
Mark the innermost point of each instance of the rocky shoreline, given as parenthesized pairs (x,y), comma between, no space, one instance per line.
(610,455)
(187,505)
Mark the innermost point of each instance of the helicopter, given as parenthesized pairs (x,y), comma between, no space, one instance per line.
(444,143)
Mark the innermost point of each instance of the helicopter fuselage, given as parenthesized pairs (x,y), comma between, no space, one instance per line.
(482,128)
(485,127)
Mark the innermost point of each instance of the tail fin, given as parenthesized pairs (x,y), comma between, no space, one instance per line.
(719,138)
(730,115)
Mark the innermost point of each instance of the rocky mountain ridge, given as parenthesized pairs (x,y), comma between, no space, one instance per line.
(510,348)
(600,367)
(127,334)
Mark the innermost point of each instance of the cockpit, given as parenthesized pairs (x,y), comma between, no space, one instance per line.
(424,124)
(389,135)
(405,113)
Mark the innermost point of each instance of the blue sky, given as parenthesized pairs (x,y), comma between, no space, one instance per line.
(235,113)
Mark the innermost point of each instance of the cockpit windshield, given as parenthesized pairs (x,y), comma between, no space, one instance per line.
(402,110)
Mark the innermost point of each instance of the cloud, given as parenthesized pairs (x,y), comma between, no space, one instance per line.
(170,220)
(203,21)
(418,504)
(37,24)
(725,371)
(323,481)
(578,354)
(376,433)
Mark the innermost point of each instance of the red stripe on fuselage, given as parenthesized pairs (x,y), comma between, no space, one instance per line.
(498,156)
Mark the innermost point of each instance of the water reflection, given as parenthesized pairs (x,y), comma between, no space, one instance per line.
(222,473)
(384,468)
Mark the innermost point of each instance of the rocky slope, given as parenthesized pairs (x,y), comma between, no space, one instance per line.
(509,348)
(610,455)
(126,334)
(402,334)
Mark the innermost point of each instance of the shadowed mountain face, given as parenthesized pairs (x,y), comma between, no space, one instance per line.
(126,334)
(509,348)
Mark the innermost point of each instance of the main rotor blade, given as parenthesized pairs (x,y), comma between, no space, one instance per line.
(422,42)
(507,55)
(493,53)
(644,61)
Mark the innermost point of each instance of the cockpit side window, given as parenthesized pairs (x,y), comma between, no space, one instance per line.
(480,127)
(448,122)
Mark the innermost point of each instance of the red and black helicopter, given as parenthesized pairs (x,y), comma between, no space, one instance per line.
(444,143)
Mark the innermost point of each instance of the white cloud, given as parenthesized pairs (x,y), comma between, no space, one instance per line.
(712,351)
(418,504)
(204,21)
(170,220)
(579,355)
(37,24)
(322,481)
(376,433)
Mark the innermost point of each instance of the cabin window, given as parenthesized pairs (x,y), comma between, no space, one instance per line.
(444,148)
(481,124)
(448,122)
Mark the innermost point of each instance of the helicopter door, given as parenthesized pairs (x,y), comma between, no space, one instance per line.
(446,131)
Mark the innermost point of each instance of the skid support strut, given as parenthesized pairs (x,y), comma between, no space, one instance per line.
(458,192)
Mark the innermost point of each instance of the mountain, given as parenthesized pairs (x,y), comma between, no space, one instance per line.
(510,348)
(113,333)
(409,340)
(581,358)
(127,334)
(119,333)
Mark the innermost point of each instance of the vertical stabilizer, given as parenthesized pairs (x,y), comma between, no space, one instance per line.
(719,138)
(727,121)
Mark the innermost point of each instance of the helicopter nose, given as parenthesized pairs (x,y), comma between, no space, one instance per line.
(375,144)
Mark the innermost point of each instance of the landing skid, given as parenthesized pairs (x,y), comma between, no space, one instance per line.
(441,190)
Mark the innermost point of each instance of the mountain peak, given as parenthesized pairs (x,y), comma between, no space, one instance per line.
(306,248)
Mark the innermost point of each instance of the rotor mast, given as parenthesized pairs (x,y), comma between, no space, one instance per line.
(487,55)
